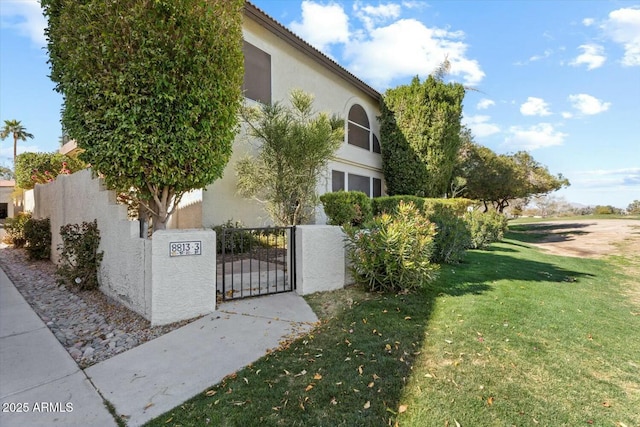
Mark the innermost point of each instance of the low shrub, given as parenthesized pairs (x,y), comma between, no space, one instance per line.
(485,228)
(237,242)
(458,205)
(393,253)
(389,204)
(347,207)
(453,237)
(37,234)
(79,256)
(14,228)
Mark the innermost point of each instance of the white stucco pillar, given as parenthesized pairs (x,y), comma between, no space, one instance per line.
(183,268)
(320,258)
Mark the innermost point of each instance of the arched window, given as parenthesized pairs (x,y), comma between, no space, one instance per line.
(359,130)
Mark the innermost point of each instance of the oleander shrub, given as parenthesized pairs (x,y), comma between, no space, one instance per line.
(393,253)
(14,229)
(37,234)
(485,227)
(347,208)
(79,256)
(453,237)
(389,204)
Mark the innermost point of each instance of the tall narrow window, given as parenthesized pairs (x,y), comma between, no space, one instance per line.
(377,187)
(337,180)
(257,74)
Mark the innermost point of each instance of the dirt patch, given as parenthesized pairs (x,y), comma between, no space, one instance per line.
(589,238)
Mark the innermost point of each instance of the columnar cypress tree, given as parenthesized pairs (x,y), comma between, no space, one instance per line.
(420,130)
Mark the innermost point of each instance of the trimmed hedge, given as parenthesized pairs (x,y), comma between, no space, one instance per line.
(347,208)
(390,204)
(485,228)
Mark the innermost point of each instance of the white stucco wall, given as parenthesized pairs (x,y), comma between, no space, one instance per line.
(28,200)
(5,197)
(320,258)
(73,199)
(183,287)
(291,68)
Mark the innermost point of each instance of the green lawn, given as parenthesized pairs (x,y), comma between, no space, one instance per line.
(510,337)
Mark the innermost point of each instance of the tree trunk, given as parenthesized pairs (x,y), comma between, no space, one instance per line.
(15,150)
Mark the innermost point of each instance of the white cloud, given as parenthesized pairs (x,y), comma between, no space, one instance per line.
(623,27)
(547,53)
(25,17)
(567,115)
(625,177)
(587,104)
(535,107)
(537,136)
(372,15)
(485,103)
(592,55)
(480,126)
(587,22)
(407,48)
(322,25)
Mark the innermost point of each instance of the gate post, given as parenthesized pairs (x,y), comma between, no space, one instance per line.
(320,258)
(183,275)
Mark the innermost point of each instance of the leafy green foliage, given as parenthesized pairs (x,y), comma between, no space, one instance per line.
(295,146)
(32,168)
(500,179)
(453,237)
(389,204)
(347,207)
(237,242)
(485,227)
(420,127)
(37,235)
(79,256)
(634,208)
(14,228)
(151,90)
(392,254)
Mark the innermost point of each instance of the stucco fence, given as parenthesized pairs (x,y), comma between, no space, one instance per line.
(172,276)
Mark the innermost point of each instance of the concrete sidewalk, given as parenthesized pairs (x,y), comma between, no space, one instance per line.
(40,384)
(146,381)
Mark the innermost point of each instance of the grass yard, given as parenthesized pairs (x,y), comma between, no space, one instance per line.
(510,337)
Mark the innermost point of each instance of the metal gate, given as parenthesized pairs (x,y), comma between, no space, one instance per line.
(255,261)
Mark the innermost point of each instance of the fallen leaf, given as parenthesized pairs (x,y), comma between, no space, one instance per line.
(246,380)
(402,408)
(360,369)
(303,372)
(309,387)
(376,377)
(490,401)
(448,341)
(334,401)
(367,405)
(148,405)
(317,377)
(407,318)
(371,384)
(211,392)
(621,424)
(457,423)
(606,404)
(169,420)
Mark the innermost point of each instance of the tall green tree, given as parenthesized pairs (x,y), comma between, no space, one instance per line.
(295,144)
(151,91)
(19,132)
(498,179)
(420,128)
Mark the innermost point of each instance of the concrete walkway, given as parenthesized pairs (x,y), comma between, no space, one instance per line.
(141,383)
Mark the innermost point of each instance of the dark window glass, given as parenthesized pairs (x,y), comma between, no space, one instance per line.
(359,116)
(358,136)
(337,180)
(377,187)
(376,144)
(257,74)
(360,183)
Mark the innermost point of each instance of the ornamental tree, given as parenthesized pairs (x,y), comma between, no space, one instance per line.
(151,91)
(295,145)
(420,127)
(39,168)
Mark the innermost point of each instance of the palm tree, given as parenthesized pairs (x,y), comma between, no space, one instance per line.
(19,133)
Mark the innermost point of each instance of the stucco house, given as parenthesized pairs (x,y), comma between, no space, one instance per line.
(6,201)
(276,61)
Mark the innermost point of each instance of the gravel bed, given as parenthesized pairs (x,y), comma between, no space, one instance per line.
(89,324)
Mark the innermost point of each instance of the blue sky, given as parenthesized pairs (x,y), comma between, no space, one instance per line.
(559,79)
